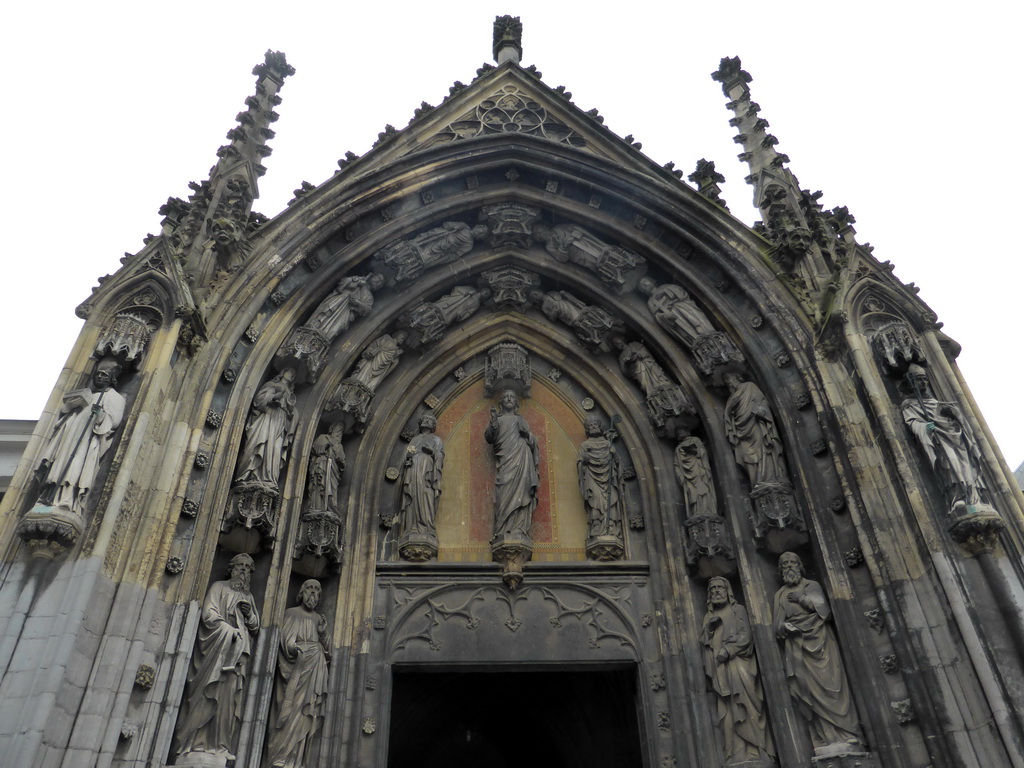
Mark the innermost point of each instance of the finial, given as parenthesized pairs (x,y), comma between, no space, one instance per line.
(508,39)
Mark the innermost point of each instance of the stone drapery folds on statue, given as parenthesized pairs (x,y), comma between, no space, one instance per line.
(421,489)
(750,428)
(516,480)
(326,463)
(300,683)
(947,442)
(268,433)
(81,439)
(212,706)
(408,259)
(731,668)
(600,477)
(813,667)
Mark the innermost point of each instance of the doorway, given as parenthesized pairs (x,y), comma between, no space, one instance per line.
(577,718)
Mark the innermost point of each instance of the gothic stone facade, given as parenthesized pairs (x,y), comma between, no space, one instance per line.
(248,396)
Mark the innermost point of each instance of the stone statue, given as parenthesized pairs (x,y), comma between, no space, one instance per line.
(268,433)
(817,682)
(326,463)
(427,322)
(693,473)
(731,667)
(352,298)
(300,686)
(675,311)
(517,475)
(421,480)
(944,436)
(82,437)
(408,259)
(378,360)
(212,707)
(750,427)
(637,362)
(600,476)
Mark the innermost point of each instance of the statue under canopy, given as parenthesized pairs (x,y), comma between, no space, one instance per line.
(518,468)
(750,427)
(268,433)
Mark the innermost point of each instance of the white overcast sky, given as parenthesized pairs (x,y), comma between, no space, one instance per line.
(906,112)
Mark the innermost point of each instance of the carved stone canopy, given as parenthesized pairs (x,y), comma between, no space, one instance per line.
(507,367)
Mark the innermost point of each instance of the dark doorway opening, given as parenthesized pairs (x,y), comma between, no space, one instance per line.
(501,719)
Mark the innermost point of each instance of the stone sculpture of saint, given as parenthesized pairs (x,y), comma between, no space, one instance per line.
(82,437)
(441,245)
(637,362)
(326,463)
(300,684)
(942,433)
(600,477)
(813,668)
(675,311)
(352,298)
(750,427)
(378,360)
(212,707)
(421,480)
(731,667)
(268,433)
(693,473)
(517,475)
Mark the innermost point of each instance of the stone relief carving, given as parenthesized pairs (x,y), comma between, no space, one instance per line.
(510,223)
(511,287)
(604,494)
(750,428)
(517,477)
(952,453)
(594,326)
(731,668)
(421,488)
(707,538)
(408,259)
(507,367)
(813,668)
(668,406)
(350,403)
(426,323)
(268,437)
(300,683)
(212,707)
(306,347)
(618,268)
(319,540)
(127,336)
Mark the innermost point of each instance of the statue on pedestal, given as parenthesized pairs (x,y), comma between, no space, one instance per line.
(421,489)
(600,477)
(300,688)
(732,669)
(212,707)
(817,681)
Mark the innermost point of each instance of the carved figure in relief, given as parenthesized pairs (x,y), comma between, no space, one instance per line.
(942,433)
(442,245)
(352,298)
(82,437)
(268,432)
(750,427)
(815,672)
(731,667)
(378,360)
(421,479)
(675,311)
(600,476)
(300,687)
(693,473)
(517,476)
(326,463)
(637,362)
(212,707)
